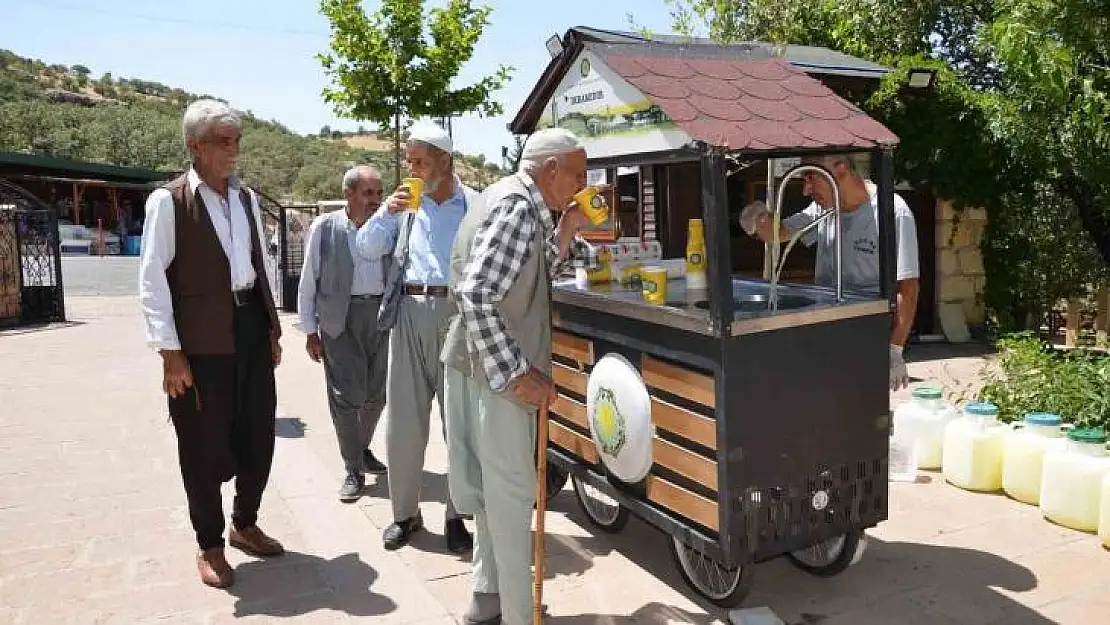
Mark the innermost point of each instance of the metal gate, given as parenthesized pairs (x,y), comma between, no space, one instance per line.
(286,227)
(30,260)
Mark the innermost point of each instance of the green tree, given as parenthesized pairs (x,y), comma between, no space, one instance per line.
(398,65)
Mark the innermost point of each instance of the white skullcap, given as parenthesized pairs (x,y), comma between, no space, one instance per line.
(432,135)
(550,142)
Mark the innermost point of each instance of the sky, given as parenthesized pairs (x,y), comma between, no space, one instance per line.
(260,55)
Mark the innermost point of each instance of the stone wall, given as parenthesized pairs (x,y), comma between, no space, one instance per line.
(960,275)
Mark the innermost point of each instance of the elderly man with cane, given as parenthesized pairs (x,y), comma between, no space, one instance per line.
(497,360)
(210,314)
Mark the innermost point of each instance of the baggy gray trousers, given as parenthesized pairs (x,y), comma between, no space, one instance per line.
(356,366)
(415,376)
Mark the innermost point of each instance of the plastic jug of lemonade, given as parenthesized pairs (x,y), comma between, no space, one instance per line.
(1104,512)
(973,448)
(1023,460)
(924,418)
(1072,480)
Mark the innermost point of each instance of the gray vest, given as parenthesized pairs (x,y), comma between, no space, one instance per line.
(526,308)
(337,272)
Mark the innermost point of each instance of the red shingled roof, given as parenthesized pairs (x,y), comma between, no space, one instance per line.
(765,104)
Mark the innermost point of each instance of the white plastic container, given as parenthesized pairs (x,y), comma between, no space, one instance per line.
(1104,512)
(902,455)
(923,419)
(973,448)
(1072,480)
(1023,462)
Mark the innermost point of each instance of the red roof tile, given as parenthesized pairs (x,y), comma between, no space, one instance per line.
(752,105)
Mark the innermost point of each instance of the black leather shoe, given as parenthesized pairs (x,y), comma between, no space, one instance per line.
(459,539)
(370,464)
(398,534)
(493,620)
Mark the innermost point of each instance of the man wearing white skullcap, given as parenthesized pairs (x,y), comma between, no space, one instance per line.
(498,359)
(415,305)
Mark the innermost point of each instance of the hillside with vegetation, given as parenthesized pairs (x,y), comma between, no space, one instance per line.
(65,112)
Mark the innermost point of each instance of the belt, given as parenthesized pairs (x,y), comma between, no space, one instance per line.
(244,296)
(426,289)
(366,296)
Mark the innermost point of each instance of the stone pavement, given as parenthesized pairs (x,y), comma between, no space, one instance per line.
(93,527)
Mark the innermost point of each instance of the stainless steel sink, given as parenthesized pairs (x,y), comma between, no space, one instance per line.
(759,302)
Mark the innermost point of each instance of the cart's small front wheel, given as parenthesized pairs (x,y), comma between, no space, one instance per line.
(723,587)
(828,557)
(604,512)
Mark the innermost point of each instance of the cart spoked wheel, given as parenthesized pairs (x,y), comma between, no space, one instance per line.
(828,557)
(601,509)
(556,480)
(722,586)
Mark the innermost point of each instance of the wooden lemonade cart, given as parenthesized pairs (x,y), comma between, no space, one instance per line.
(744,430)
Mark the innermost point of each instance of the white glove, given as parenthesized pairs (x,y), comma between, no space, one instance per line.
(899,377)
(753,214)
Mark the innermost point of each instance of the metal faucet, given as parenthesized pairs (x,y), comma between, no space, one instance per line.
(776,207)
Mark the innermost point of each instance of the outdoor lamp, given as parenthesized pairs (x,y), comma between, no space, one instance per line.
(554,45)
(921,78)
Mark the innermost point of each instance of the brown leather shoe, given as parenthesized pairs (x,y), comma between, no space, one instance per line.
(252,541)
(214,569)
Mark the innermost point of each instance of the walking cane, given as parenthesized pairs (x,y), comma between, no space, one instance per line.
(541,510)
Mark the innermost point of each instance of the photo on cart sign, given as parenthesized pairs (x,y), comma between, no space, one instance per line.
(610,115)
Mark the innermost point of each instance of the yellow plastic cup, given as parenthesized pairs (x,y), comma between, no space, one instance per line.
(654,281)
(593,205)
(416,190)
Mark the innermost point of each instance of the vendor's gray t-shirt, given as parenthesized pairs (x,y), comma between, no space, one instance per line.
(861,243)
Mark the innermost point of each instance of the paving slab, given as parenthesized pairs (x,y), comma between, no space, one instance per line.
(93,526)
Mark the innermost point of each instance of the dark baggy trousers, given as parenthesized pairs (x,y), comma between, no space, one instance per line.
(225,427)
(356,364)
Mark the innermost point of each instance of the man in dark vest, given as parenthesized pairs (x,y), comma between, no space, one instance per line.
(210,315)
(338,299)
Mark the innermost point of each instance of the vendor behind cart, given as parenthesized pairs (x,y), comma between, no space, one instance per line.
(859,209)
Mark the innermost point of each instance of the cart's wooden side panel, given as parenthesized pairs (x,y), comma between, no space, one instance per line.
(685,423)
(573,347)
(684,476)
(568,378)
(572,441)
(689,504)
(678,381)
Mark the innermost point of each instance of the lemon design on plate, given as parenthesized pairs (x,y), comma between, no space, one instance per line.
(609,425)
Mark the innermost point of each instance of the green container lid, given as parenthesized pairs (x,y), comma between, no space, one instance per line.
(981,409)
(1096,436)
(1042,418)
(926,392)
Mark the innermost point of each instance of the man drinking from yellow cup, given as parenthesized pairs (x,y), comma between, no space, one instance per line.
(417,225)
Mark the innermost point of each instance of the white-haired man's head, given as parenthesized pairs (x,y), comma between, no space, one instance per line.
(428,155)
(362,187)
(211,130)
(556,160)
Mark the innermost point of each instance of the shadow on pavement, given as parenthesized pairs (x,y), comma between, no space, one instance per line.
(289,427)
(937,584)
(342,584)
(927,352)
(38,327)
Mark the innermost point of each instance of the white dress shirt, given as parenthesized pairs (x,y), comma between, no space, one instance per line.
(368,277)
(159,244)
